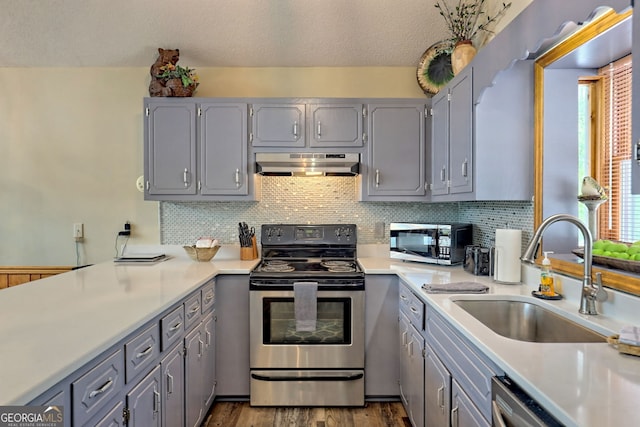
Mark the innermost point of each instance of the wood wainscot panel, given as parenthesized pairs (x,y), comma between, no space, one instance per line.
(17,275)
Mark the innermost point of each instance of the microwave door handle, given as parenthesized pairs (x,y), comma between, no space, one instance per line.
(409,251)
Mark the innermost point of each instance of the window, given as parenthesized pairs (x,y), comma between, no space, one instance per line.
(605,148)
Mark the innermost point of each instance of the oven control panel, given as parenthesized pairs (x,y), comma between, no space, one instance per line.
(309,234)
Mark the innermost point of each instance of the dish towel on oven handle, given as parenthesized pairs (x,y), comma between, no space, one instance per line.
(455,288)
(305,303)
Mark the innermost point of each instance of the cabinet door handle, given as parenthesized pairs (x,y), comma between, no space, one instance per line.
(454,417)
(200,348)
(185,177)
(410,348)
(156,401)
(404,338)
(441,397)
(169,383)
(442,173)
(377,177)
(144,353)
(106,386)
(237,177)
(175,327)
(208,338)
(464,168)
(319,129)
(295,129)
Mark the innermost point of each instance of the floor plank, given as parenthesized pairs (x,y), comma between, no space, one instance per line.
(241,414)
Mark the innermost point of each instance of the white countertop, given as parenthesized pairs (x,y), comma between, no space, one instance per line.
(51,327)
(584,384)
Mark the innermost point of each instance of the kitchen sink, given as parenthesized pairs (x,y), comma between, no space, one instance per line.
(525,321)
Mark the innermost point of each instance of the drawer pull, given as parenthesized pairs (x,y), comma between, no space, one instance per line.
(175,327)
(413,310)
(194,310)
(144,353)
(403,296)
(208,298)
(106,386)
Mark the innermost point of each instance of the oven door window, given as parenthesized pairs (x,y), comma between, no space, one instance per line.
(333,324)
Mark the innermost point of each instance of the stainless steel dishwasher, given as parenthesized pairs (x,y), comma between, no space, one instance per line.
(512,407)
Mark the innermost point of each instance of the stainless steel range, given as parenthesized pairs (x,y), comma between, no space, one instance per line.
(307,318)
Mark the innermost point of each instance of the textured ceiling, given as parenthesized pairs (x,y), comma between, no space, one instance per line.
(218,33)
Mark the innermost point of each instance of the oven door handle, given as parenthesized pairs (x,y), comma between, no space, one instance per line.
(346,377)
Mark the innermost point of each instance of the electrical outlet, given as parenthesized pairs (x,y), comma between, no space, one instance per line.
(78,231)
(127,229)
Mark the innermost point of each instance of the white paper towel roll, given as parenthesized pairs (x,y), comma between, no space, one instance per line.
(507,256)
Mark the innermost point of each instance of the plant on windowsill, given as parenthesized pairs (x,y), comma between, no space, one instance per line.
(466,21)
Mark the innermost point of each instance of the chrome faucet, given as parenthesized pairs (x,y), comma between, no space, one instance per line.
(590,292)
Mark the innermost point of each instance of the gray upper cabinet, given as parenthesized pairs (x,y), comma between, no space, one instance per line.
(395,168)
(197,150)
(278,125)
(335,125)
(170,142)
(452,137)
(223,150)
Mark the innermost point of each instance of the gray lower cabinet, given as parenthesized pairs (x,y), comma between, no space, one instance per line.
(395,164)
(470,372)
(162,374)
(144,401)
(412,353)
(232,334)
(113,417)
(437,390)
(381,361)
(173,387)
(464,412)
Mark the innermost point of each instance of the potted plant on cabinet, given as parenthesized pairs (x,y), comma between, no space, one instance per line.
(465,21)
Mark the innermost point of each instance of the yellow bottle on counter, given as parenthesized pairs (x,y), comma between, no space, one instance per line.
(546,277)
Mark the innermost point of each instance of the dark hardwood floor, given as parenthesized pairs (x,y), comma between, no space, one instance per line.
(241,414)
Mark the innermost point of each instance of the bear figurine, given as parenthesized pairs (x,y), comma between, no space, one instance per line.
(157,87)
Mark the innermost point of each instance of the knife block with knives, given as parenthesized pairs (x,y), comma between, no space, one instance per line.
(248,242)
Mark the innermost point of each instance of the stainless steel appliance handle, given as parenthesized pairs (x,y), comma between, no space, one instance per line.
(346,377)
(498,421)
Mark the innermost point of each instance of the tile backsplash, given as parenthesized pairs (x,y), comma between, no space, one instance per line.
(323,200)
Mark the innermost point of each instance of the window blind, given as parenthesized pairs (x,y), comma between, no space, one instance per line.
(616,218)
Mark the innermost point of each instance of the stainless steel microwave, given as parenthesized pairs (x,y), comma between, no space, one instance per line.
(429,243)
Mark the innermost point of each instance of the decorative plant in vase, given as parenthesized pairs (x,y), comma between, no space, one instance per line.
(170,79)
(466,21)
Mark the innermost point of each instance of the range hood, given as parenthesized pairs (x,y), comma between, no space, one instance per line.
(308,164)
